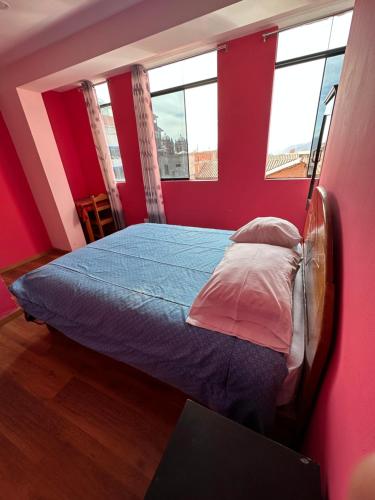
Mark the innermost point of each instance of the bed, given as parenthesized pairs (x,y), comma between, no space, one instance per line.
(128,296)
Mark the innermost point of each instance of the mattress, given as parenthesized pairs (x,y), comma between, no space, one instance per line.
(128,296)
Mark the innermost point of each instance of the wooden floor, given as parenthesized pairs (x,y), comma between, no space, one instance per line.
(75,424)
(13,274)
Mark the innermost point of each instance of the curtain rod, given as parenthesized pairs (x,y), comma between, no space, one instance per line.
(223,46)
(270,33)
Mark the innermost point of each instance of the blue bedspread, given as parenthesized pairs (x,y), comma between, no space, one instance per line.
(128,296)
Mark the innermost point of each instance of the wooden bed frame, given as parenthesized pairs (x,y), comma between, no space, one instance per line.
(319,301)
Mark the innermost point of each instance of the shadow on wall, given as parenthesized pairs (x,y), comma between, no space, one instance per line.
(23,231)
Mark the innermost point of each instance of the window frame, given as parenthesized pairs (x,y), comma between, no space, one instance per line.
(312,160)
(324,54)
(315,56)
(179,88)
(105,105)
(186,86)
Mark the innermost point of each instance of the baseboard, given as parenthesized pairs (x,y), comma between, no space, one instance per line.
(8,317)
(31,259)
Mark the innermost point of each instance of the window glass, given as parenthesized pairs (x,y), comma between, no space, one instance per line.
(325,131)
(201,117)
(110,132)
(171,135)
(332,73)
(321,35)
(183,72)
(292,119)
(104,101)
(340,30)
(185,120)
(102,93)
(304,40)
(299,92)
(294,107)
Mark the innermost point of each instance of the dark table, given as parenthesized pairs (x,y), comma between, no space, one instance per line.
(212,457)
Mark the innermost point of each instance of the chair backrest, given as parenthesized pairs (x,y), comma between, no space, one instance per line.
(99,197)
(101,202)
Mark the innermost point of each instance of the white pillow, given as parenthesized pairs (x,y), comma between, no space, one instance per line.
(270,230)
(249,295)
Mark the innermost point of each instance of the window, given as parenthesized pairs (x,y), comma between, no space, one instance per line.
(184,102)
(308,65)
(104,102)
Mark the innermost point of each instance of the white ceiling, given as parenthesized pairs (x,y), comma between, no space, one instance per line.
(193,37)
(29,25)
(29,29)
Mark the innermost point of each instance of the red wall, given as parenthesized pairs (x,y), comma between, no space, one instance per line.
(343,426)
(22,231)
(132,191)
(62,126)
(245,76)
(69,121)
(71,128)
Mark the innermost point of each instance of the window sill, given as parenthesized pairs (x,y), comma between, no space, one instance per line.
(189,180)
(287,179)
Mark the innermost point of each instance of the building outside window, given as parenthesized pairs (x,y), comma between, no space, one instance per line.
(308,65)
(184,102)
(104,102)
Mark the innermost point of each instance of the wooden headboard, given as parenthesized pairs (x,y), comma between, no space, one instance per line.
(319,297)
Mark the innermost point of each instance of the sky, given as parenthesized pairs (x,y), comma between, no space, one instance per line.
(102,93)
(170,112)
(296,88)
(295,99)
(200,126)
(199,103)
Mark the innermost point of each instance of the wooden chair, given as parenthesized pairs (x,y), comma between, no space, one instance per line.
(102,213)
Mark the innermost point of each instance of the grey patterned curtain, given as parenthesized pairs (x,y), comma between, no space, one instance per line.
(147,145)
(102,150)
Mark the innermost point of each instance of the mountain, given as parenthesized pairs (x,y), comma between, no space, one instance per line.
(295,148)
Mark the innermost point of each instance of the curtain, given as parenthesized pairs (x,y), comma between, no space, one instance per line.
(102,150)
(147,145)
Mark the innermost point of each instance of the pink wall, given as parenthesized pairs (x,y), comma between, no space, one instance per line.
(26,118)
(22,231)
(343,426)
